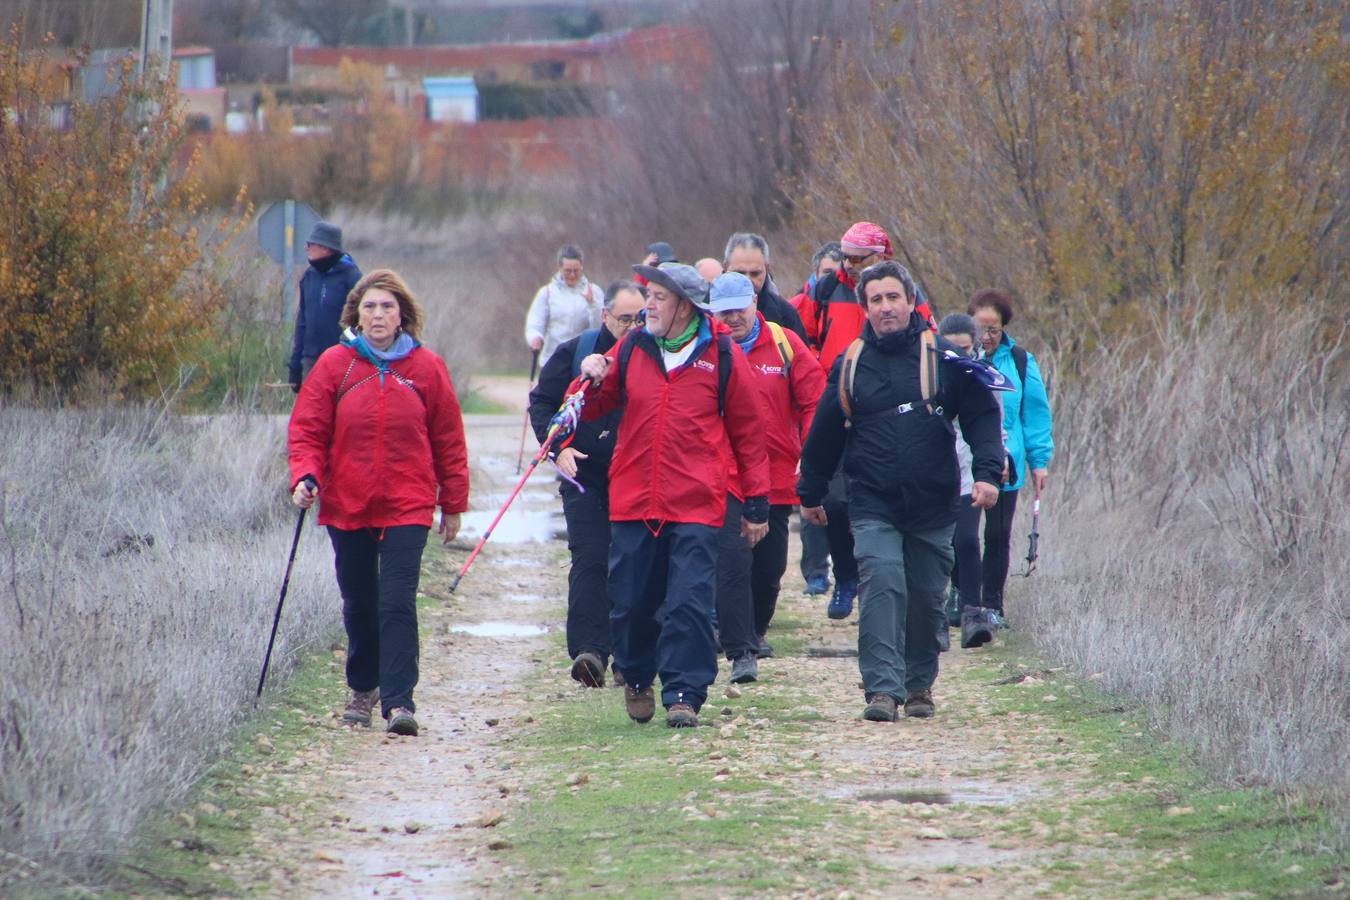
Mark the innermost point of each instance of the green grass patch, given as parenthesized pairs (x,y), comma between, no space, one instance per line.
(472,402)
(659,806)
(1187,833)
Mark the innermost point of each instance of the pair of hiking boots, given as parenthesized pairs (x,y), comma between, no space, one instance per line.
(883,708)
(362,704)
(641,706)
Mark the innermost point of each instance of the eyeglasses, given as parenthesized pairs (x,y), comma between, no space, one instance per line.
(991,330)
(622,320)
(858,260)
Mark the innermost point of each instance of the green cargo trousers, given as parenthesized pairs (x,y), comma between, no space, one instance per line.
(901,576)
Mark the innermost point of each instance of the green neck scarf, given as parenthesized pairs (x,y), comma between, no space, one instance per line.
(673,345)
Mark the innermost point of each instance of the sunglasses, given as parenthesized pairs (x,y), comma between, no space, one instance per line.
(858,260)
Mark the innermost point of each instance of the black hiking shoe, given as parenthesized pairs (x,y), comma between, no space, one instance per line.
(975,628)
(589,669)
(641,704)
(744,669)
(953,607)
(401,721)
(880,708)
(681,715)
(919,704)
(943,638)
(359,707)
(765,649)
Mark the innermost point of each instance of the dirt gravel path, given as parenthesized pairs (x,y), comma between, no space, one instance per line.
(996,797)
(413,817)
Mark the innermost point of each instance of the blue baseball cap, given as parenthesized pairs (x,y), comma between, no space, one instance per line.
(730,291)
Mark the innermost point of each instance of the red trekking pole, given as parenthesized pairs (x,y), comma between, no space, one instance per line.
(524,426)
(560,430)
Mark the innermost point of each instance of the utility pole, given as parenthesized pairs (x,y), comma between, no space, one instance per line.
(156,38)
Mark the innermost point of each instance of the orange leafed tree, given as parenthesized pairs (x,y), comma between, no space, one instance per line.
(101,267)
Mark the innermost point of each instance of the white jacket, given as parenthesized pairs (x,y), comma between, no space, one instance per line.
(560,313)
(964,456)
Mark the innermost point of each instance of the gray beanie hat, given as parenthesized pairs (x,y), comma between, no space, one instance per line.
(326,234)
(684,281)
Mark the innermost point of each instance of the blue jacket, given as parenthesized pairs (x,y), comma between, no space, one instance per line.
(322,296)
(1026,415)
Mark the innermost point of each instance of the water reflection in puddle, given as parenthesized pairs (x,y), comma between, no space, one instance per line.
(912,796)
(499,630)
(518,526)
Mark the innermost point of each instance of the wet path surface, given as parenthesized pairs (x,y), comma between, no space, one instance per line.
(413,817)
(417,817)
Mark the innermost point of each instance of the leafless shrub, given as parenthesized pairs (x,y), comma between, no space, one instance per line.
(139,566)
(1195,540)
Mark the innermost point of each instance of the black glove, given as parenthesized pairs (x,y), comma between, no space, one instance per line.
(295,380)
(756,510)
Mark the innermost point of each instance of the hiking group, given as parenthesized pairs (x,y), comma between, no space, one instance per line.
(711,408)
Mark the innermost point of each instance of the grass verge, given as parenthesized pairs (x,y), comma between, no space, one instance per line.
(745,805)
(208,846)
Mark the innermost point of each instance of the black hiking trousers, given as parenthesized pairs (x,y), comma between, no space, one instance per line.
(377,573)
(967,572)
(997,548)
(587,518)
(766,571)
(735,608)
(839,530)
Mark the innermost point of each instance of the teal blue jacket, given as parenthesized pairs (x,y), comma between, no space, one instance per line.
(1026,415)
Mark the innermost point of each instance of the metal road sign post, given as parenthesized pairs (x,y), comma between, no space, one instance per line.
(282,229)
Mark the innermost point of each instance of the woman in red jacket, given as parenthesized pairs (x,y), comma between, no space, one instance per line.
(377,427)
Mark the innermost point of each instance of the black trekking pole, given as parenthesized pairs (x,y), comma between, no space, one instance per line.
(285,583)
(1034,539)
(524,426)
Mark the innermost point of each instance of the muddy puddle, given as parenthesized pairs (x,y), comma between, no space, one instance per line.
(499,630)
(974,793)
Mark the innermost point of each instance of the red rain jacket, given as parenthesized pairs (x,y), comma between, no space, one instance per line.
(381,452)
(833,317)
(669,463)
(790,393)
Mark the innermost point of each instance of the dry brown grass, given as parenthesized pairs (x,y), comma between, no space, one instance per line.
(1194,541)
(127,663)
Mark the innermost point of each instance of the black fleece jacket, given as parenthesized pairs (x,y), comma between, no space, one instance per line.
(775,309)
(901,466)
(596,438)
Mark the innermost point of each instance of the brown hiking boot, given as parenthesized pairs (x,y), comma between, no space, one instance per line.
(919,705)
(641,704)
(880,708)
(681,715)
(401,721)
(359,707)
(589,669)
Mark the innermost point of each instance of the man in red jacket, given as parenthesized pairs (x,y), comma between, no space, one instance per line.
(790,381)
(688,399)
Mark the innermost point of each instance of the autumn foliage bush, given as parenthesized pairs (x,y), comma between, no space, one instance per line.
(103,273)
(362,156)
(1094,156)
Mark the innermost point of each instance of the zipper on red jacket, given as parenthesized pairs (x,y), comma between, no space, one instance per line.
(660,435)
